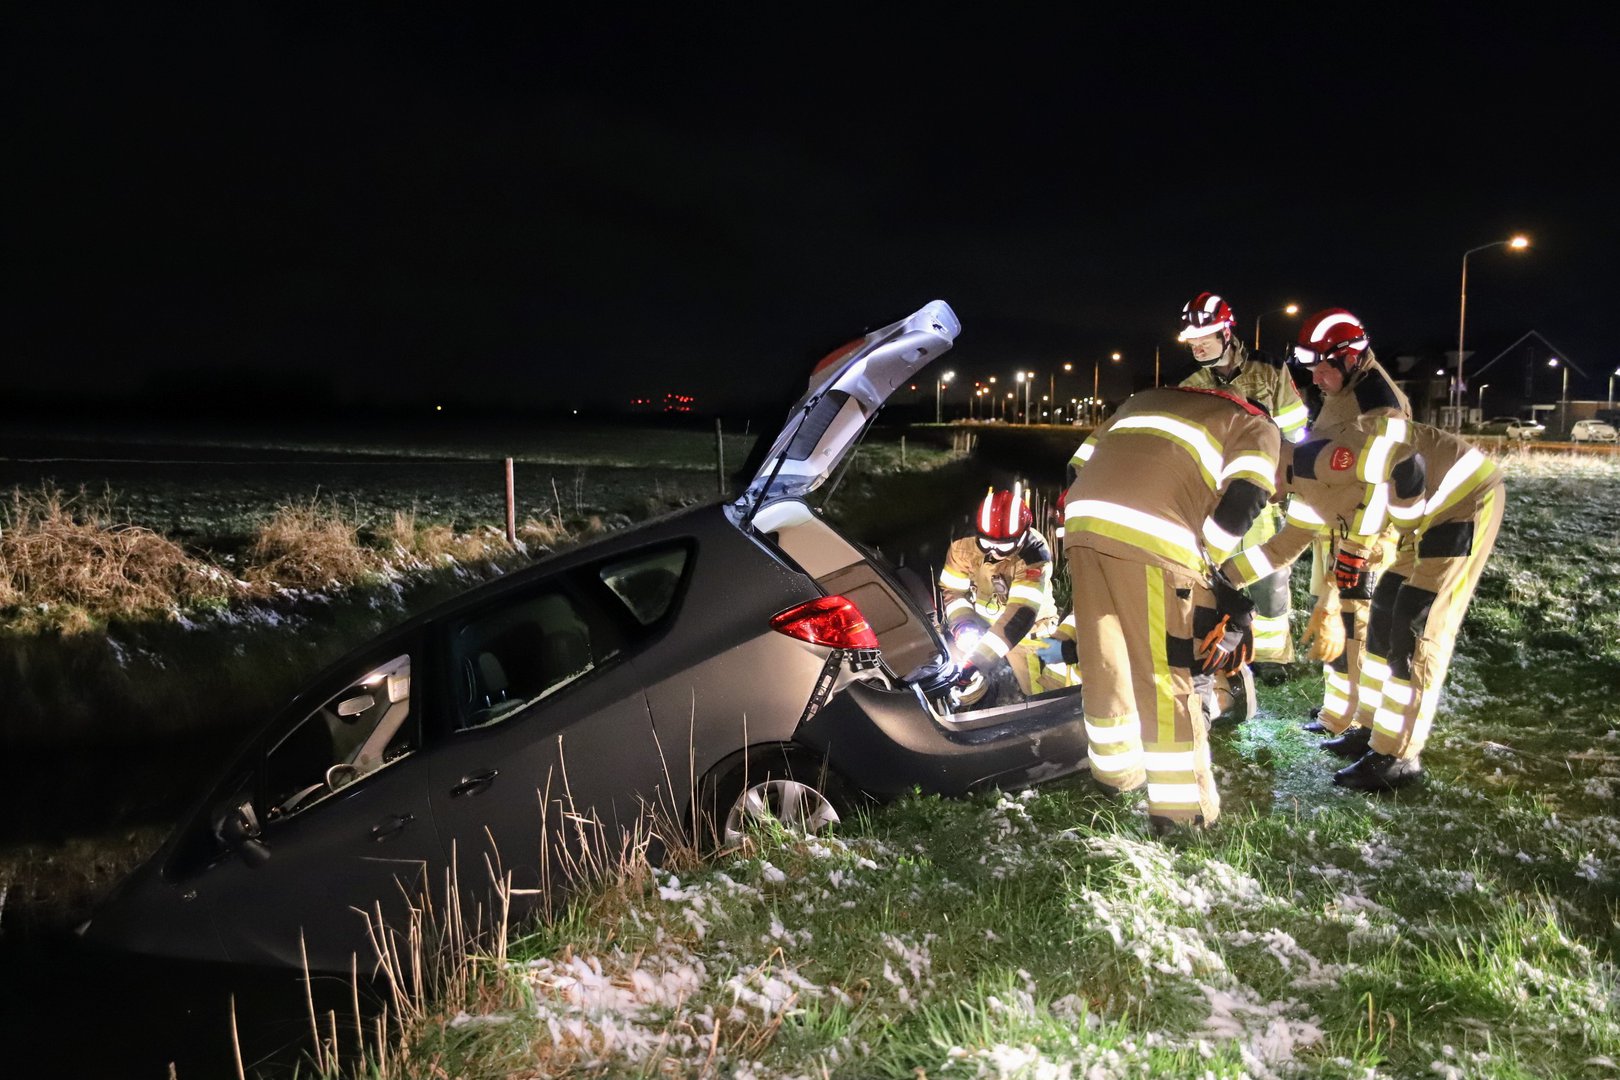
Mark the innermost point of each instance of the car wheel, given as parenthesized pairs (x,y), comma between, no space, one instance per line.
(766,784)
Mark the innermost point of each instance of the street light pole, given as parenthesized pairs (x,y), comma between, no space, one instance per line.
(939,395)
(1611,387)
(1517,243)
(1481,404)
(1563,396)
(1292,309)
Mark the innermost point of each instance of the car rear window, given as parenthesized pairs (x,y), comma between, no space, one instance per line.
(646,582)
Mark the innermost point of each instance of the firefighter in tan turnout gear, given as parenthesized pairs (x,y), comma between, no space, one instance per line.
(1334,348)
(1445,498)
(996,587)
(1163,492)
(1225,363)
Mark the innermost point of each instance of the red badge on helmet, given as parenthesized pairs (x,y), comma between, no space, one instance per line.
(1343,458)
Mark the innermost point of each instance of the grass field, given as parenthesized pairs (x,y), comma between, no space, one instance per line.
(1466,927)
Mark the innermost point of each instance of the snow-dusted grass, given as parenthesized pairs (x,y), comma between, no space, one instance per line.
(1463,928)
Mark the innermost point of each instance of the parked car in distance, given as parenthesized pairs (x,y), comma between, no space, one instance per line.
(1592,431)
(730,661)
(1524,429)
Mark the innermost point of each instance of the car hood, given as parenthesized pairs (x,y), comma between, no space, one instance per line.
(846,389)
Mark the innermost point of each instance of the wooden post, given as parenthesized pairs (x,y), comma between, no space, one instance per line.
(719,458)
(511,506)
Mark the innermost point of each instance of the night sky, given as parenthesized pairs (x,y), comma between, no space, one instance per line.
(252,205)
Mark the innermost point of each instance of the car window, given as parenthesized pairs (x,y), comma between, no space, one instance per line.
(646,582)
(367,727)
(525,651)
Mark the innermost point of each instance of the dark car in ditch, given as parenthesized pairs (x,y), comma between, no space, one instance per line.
(726,661)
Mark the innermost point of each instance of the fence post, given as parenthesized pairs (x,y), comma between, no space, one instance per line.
(719,458)
(511,506)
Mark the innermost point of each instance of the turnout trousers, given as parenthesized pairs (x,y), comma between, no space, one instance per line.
(1144,723)
(1272,596)
(1417,611)
(1341,679)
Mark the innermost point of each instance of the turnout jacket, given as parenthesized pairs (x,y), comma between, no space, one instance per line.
(1378,472)
(1264,379)
(1009,595)
(1174,478)
(1368,392)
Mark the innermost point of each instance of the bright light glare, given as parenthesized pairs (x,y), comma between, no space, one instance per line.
(1553,362)
(1519,242)
(1292,309)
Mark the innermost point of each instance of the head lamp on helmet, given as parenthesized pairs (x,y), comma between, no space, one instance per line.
(1332,336)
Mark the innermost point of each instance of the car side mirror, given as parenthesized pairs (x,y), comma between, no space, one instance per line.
(240,830)
(356,705)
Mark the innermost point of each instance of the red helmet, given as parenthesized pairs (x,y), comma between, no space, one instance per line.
(1332,335)
(1003,516)
(1204,314)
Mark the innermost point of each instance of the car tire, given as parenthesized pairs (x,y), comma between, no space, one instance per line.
(787,783)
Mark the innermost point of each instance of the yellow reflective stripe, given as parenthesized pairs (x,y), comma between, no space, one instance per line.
(1291,420)
(1111,738)
(1193,438)
(1252,564)
(1374,463)
(1026,593)
(1219,542)
(1083,454)
(1302,513)
(1461,480)
(994,644)
(1163,685)
(1259,468)
(1372,511)
(958,606)
(1270,631)
(991,611)
(1163,761)
(953,579)
(1136,528)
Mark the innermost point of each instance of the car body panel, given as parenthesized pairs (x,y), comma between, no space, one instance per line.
(846,390)
(512,781)
(1592,431)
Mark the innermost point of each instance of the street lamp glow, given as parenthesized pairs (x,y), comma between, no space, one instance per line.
(1286,309)
(1518,242)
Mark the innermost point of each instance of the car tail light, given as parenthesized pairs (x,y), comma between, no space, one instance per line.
(827,620)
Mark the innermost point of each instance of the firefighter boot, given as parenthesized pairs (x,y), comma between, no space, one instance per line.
(1314,725)
(1352,744)
(1165,827)
(1378,772)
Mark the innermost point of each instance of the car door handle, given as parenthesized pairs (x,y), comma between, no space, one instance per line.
(384,829)
(472,785)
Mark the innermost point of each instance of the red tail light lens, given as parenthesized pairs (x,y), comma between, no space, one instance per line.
(827,620)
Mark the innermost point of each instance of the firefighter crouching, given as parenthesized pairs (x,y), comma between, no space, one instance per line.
(1225,363)
(996,587)
(1162,492)
(1445,499)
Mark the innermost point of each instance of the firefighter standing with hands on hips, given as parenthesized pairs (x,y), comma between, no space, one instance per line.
(996,586)
(1334,348)
(1163,493)
(1445,498)
(1225,363)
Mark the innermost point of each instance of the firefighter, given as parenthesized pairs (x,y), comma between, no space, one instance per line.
(1225,363)
(1162,493)
(1445,499)
(996,586)
(1333,346)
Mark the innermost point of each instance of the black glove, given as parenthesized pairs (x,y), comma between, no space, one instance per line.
(1231,603)
(1352,576)
(965,675)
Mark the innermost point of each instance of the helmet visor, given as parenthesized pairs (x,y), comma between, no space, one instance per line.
(997,549)
(1306,357)
(1190,332)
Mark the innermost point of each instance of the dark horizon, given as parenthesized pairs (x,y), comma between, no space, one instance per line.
(263,209)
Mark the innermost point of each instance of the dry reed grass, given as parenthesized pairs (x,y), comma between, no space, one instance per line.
(310,546)
(68,564)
